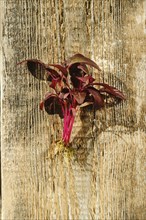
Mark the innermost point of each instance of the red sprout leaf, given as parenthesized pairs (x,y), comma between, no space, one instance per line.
(57,78)
(54,83)
(54,105)
(60,68)
(79,96)
(64,93)
(98,100)
(86,79)
(75,72)
(53,74)
(36,68)
(111,90)
(79,58)
(84,68)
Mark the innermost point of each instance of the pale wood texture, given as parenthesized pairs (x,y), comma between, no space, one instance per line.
(111,183)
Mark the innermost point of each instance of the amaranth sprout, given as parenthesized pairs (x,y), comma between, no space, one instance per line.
(73,86)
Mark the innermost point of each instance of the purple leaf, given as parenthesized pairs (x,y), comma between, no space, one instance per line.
(36,68)
(54,83)
(84,68)
(60,67)
(86,79)
(53,105)
(98,100)
(64,93)
(52,73)
(79,96)
(111,90)
(75,72)
(55,78)
(79,58)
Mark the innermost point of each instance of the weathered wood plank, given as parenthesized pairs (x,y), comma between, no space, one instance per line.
(111,185)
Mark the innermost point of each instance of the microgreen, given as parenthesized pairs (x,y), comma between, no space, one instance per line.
(73,87)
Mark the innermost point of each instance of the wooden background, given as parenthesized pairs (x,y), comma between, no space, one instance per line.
(111,182)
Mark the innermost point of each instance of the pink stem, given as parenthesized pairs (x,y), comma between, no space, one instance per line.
(68,124)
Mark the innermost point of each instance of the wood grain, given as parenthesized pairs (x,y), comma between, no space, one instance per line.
(110,183)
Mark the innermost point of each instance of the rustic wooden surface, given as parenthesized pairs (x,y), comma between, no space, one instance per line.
(111,183)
